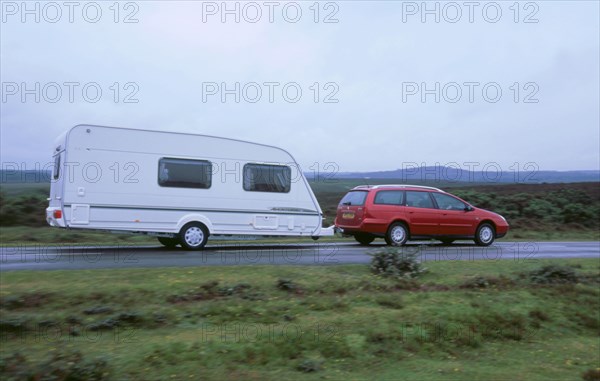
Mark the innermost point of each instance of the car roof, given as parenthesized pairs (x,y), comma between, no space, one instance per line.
(396,186)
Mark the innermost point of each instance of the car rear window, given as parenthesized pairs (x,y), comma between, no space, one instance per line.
(354,198)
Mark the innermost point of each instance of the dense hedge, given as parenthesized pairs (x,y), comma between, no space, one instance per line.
(566,206)
(571,206)
(23,210)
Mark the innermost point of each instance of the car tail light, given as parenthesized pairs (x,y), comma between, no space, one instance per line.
(57,214)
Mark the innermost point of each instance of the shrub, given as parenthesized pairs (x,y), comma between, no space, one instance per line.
(211,290)
(11,302)
(538,314)
(390,301)
(14,325)
(98,310)
(474,283)
(591,375)
(288,285)
(70,366)
(553,274)
(23,210)
(122,319)
(27,300)
(496,325)
(310,365)
(487,281)
(396,262)
(542,209)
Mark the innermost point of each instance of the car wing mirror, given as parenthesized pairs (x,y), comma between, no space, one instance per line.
(469,208)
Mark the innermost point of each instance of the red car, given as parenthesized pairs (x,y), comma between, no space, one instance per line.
(400,213)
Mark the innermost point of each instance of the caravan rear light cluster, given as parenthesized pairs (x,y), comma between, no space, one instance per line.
(57,214)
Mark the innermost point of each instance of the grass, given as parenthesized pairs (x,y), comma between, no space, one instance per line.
(303,322)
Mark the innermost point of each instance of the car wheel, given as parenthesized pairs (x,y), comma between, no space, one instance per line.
(447,241)
(485,235)
(193,236)
(168,241)
(397,234)
(364,239)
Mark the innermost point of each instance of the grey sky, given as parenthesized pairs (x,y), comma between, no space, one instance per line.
(373,55)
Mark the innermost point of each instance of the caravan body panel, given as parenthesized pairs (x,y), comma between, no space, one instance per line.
(131,180)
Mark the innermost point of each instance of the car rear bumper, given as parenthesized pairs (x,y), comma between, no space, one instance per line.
(368,225)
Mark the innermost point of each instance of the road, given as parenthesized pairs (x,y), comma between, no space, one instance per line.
(38,257)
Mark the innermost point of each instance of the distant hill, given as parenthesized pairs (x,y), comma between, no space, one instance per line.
(436,174)
(444,174)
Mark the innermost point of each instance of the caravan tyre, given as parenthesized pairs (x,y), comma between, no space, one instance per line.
(193,236)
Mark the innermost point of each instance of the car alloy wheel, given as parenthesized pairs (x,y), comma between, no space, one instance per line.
(397,234)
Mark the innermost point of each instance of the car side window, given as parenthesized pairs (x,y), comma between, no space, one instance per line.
(418,199)
(389,197)
(448,202)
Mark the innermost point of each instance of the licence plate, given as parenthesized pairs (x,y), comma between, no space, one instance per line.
(348,215)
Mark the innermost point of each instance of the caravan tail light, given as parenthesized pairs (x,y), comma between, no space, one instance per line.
(57,214)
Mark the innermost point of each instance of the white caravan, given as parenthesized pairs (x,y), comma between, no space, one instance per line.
(178,187)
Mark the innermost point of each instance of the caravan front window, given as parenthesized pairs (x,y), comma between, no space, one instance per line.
(184,173)
(267,178)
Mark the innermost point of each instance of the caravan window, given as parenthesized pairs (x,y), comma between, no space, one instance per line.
(184,173)
(267,178)
(56,167)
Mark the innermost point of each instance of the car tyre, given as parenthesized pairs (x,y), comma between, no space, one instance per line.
(168,241)
(193,236)
(397,234)
(364,239)
(485,235)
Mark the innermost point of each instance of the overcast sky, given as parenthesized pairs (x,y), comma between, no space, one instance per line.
(362,69)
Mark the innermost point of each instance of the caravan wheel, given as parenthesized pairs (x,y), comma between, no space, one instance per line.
(193,236)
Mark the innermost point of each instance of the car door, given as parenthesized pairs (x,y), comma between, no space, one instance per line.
(387,206)
(422,215)
(455,218)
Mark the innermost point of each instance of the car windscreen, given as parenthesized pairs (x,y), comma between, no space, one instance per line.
(354,198)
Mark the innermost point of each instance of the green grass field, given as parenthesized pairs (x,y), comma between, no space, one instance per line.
(479,320)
